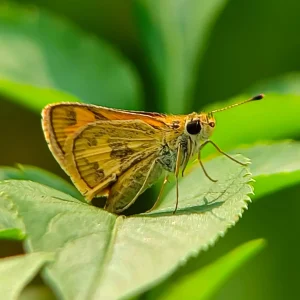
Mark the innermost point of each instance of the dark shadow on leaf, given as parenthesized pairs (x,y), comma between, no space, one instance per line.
(207,206)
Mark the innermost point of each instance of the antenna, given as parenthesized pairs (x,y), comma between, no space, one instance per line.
(257,97)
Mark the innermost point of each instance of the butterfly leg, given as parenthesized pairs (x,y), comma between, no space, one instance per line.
(222,152)
(178,160)
(202,166)
(159,195)
(219,150)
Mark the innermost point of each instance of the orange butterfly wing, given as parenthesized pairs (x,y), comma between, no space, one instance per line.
(63,119)
(66,125)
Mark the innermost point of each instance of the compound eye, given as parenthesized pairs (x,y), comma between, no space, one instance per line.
(212,124)
(193,127)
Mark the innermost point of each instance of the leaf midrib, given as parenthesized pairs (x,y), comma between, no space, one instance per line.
(107,257)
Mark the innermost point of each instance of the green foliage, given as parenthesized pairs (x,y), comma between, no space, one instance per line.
(56,222)
(287,84)
(10,233)
(87,253)
(33,97)
(96,245)
(41,176)
(52,54)
(11,224)
(274,166)
(174,34)
(191,286)
(16,272)
(257,121)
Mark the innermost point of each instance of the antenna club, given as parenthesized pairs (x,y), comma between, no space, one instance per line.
(258,97)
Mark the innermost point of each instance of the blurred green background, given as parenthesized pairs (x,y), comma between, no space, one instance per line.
(247,44)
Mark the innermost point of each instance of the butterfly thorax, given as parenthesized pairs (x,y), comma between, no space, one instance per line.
(187,135)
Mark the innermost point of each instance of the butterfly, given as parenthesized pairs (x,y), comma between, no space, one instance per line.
(118,154)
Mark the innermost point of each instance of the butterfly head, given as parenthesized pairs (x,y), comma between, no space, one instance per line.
(201,126)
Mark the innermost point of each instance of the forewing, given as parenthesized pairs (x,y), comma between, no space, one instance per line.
(98,153)
(62,120)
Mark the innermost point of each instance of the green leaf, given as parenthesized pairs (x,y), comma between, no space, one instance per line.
(11,222)
(212,277)
(198,193)
(287,84)
(32,97)
(36,174)
(37,292)
(121,256)
(16,272)
(275,117)
(11,233)
(40,53)
(274,166)
(174,33)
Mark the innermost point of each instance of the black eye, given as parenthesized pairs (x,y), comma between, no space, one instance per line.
(193,127)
